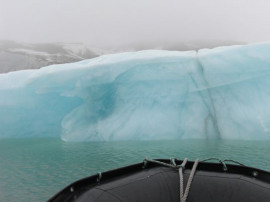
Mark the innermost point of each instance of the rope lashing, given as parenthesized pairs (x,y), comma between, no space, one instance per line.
(223,162)
(217,159)
(99,176)
(172,164)
(233,161)
(160,163)
(183,195)
(180,170)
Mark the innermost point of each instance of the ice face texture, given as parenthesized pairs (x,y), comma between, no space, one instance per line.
(222,93)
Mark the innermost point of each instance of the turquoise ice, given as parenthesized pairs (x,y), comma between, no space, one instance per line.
(221,93)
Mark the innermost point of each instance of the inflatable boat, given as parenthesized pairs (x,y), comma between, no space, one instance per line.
(173,180)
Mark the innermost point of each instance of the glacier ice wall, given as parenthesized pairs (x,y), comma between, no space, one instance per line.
(220,93)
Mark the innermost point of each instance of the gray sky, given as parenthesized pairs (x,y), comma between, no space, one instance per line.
(103,23)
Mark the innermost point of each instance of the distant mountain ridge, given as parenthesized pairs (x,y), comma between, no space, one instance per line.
(16,56)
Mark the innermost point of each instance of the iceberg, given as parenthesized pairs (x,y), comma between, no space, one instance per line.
(221,93)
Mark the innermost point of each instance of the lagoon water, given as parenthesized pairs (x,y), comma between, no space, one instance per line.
(64,122)
(34,169)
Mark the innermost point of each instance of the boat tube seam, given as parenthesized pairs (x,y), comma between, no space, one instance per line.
(107,191)
(234,178)
(148,176)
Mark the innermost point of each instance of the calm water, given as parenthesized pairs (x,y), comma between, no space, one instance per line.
(35,169)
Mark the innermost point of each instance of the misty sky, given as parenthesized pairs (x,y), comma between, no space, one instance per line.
(103,23)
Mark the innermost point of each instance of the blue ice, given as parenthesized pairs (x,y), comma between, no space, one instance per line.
(221,93)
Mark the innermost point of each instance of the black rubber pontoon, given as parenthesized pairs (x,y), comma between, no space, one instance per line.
(150,181)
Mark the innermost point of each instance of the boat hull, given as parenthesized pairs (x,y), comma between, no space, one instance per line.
(153,182)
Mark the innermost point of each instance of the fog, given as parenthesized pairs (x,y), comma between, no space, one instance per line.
(125,23)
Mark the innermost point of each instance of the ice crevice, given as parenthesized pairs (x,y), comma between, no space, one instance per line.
(211,118)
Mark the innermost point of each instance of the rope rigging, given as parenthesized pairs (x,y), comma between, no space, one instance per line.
(183,195)
(181,167)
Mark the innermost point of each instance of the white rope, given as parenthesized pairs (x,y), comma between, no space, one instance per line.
(183,196)
(181,178)
(223,162)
